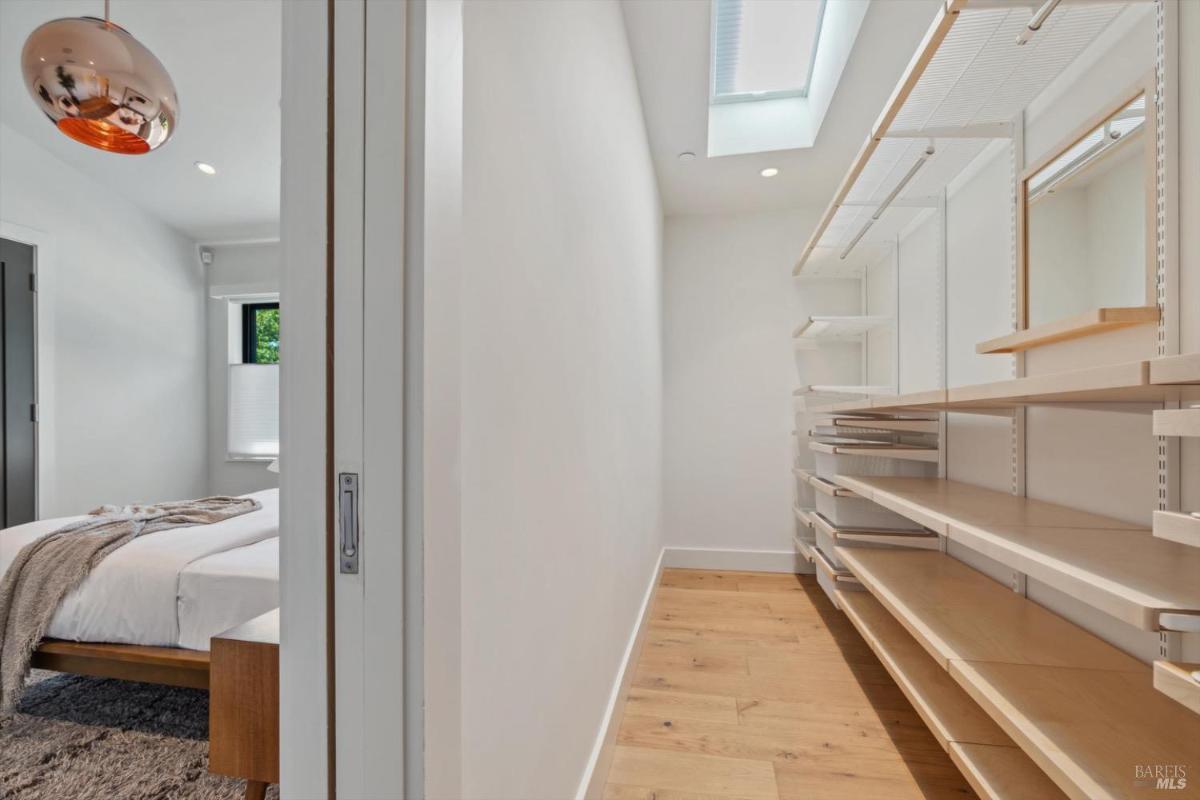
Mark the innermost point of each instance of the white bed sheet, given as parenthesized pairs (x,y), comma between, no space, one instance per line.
(136,594)
(224,590)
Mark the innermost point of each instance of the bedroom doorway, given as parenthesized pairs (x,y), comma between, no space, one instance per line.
(18,481)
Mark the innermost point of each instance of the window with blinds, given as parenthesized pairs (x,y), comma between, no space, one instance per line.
(253,424)
(763,49)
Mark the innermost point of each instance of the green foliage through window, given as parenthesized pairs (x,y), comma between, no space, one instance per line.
(260,333)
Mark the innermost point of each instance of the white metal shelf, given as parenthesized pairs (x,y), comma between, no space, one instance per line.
(838,328)
(962,89)
(847,390)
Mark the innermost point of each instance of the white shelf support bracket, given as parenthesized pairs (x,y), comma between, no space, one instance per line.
(1170,645)
(1019,583)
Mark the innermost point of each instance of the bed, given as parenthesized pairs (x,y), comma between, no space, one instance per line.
(148,610)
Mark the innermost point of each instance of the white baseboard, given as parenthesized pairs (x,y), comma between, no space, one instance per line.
(748,560)
(591,786)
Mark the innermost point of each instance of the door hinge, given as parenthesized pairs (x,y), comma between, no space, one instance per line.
(33,281)
(33,412)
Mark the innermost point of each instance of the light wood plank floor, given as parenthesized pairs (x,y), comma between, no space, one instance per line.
(752,686)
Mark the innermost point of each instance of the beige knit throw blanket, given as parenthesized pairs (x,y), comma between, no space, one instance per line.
(48,569)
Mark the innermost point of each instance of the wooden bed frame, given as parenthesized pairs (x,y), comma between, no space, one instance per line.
(172,666)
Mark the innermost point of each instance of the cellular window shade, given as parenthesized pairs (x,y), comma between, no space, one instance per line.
(253,411)
(764,48)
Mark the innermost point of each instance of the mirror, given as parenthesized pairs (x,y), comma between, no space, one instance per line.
(1089,219)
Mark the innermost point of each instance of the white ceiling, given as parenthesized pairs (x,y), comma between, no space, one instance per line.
(670,41)
(225,59)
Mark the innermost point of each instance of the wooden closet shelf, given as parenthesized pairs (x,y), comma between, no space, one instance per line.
(1177,422)
(1002,773)
(1098,320)
(990,760)
(1112,565)
(907,453)
(957,613)
(1129,382)
(1177,526)
(1085,712)
(1178,681)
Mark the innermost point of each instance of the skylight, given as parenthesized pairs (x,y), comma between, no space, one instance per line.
(763,49)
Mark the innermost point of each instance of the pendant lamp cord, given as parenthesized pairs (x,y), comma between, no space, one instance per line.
(106,22)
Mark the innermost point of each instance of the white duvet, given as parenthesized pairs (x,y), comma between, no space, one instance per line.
(174,588)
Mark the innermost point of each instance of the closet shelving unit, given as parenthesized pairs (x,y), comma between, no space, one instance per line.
(815,331)
(1027,703)
(1151,382)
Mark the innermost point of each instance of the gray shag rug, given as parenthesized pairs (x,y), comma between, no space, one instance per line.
(80,738)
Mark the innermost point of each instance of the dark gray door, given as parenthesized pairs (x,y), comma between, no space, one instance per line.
(20,466)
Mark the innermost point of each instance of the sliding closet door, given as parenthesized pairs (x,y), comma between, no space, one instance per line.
(20,467)
(368,396)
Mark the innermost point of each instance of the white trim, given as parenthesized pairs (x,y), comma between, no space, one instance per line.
(743,560)
(303,493)
(43,305)
(595,774)
(245,292)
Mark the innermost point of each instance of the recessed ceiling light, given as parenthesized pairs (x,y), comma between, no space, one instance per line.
(207,169)
(687,155)
(769,172)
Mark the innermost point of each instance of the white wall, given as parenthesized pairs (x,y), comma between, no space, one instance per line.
(881,301)
(730,369)
(248,269)
(920,302)
(128,336)
(561,387)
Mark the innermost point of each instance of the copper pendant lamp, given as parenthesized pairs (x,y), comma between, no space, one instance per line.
(99,85)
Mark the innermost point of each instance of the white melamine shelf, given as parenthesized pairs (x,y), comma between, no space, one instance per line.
(1109,564)
(820,329)
(963,87)
(1179,681)
(1082,710)
(1177,422)
(806,548)
(1178,526)
(841,389)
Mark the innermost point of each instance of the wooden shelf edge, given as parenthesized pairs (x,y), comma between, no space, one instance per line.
(805,548)
(1176,369)
(1177,526)
(1177,422)
(1089,323)
(1107,584)
(997,772)
(1175,680)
